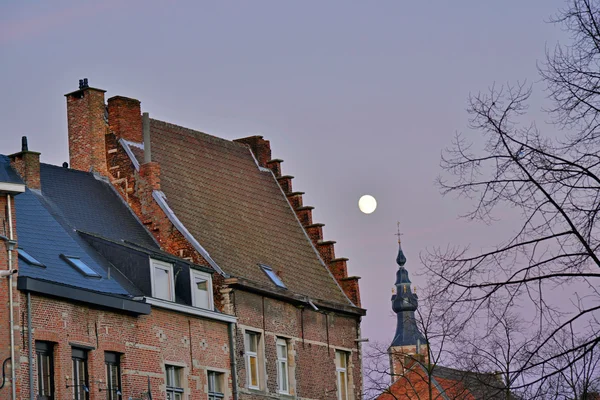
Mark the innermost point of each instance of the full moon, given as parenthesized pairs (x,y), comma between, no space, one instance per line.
(367,204)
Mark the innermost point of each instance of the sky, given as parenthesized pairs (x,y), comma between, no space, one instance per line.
(356,98)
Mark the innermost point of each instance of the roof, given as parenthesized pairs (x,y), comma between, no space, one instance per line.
(75,194)
(450,383)
(237,211)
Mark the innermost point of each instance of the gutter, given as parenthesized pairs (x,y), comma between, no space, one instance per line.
(10,247)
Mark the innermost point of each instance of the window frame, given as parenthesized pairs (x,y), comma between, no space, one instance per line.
(79,354)
(338,372)
(165,266)
(282,366)
(171,371)
(272,275)
(214,376)
(112,358)
(83,269)
(44,349)
(194,273)
(248,354)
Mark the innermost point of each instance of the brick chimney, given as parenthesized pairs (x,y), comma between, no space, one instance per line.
(125,118)
(260,147)
(87,126)
(27,165)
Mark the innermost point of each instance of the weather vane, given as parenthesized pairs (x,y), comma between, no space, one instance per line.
(398,234)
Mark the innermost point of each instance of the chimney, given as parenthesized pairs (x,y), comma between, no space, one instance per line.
(27,164)
(87,126)
(149,171)
(125,118)
(260,147)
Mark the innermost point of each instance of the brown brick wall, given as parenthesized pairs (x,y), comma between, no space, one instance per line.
(125,118)
(313,336)
(147,343)
(87,127)
(27,165)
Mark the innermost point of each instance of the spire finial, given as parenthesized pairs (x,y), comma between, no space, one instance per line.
(399,233)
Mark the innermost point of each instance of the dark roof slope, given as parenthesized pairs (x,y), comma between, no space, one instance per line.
(237,212)
(7,174)
(91,205)
(482,386)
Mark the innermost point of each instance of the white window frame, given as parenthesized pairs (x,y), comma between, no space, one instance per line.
(338,372)
(282,366)
(213,377)
(165,266)
(208,278)
(251,354)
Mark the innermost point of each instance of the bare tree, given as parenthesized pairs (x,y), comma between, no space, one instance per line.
(550,264)
(439,326)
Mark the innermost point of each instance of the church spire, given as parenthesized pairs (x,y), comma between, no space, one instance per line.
(404,304)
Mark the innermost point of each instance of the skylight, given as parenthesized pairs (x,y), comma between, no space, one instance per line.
(80,266)
(29,259)
(271,274)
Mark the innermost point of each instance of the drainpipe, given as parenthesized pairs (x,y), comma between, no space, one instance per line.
(233,363)
(29,345)
(10,301)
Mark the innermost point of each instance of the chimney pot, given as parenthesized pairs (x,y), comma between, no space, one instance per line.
(65,165)
(24,146)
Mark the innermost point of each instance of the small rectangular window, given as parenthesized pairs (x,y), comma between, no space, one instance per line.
(201,289)
(174,389)
(80,380)
(45,370)
(251,347)
(80,266)
(215,385)
(272,275)
(113,375)
(29,259)
(163,286)
(282,366)
(341,367)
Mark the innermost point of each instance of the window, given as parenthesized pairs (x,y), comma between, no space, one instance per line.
(80,266)
(29,259)
(282,367)
(341,368)
(272,275)
(113,375)
(45,370)
(80,382)
(215,385)
(174,389)
(201,289)
(162,280)
(251,346)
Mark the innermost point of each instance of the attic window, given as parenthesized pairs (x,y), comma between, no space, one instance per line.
(80,266)
(272,275)
(29,259)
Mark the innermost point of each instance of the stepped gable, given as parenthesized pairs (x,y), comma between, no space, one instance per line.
(237,211)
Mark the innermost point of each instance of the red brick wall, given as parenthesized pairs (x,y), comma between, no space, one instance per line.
(148,342)
(27,165)
(125,118)
(4,300)
(87,128)
(313,336)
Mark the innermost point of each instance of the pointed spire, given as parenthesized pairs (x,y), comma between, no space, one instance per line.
(401,259)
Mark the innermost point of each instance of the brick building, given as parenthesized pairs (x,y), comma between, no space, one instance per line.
(284,305)
(90,320)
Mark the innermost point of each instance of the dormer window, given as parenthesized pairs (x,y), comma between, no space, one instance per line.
(161,276)
(201,289)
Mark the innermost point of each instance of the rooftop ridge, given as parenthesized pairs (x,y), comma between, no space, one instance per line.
(196,132)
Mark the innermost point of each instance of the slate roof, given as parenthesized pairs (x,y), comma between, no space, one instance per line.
(41,235)
(75,194)
(8,175)
(238,213)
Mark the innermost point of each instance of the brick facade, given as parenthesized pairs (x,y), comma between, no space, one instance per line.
(146,343)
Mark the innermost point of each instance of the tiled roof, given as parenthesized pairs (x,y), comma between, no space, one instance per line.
(91,205)
(237,212)
(484,386)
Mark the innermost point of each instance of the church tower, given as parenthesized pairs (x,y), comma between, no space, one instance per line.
(409,344)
